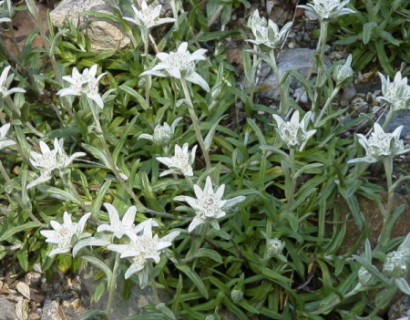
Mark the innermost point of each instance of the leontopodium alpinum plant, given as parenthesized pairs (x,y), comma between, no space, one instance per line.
(328,9)
(5,81)
(381,144)
(266,32)
(294,133)
(209,205)
(4,141)
(396,93)
(65,235)
(163,134)
(50,160)
(181,162)
(180,65)
(84,84)
(143,249)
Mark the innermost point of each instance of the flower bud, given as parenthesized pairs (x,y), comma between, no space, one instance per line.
(236,295)
(275,247)
(396,264)
(163,134)
(343,73)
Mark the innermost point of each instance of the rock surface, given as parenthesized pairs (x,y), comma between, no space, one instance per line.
(104,34)
(6,309)
(299,59)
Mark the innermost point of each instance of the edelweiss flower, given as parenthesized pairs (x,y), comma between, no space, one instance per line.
(181,162)
(85,84)
(66,234)
(4,142)
(117,227)
(5,83)
(275,247)
(148,16)
(209,205)
(396,93)
(381,144)
(293,132)
(267,32)
(143,248)
(180,64)
(49,160)
(163,134)
(328,9)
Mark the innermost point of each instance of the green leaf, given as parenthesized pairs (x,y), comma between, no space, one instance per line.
(94,314)
(191,274)
(136,95)
(165,310)
(10,232)
(99,264)
(403,285)
(211,133)
(208,36)
(367,31)
(59,194)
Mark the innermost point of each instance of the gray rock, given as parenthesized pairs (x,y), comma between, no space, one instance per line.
(299,59)
(6,309)
(104,34)
(401,118)
(400,310)
(51,310)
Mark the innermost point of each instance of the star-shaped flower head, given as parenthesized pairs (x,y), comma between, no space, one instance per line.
(84,84)
(5,81)
(267,32)
(181,162)
(380,145)
(49,160)
(163,134)
(148,17)
(144,247)
(208,205)
(4,141)
(294,132)
(396,93)
(65,235)
(180,64)
(328,9)
(119,227)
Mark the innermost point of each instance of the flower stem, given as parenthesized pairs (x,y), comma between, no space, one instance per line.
(112,285)
(326,106)
(389,118)
(291,183)
(195,123)
(320,51)
(385,232)
(272,62)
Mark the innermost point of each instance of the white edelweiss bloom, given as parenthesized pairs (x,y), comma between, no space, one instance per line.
(294,132)
(143,248)
(163,134)
(328,9)
(5,81)
(267,32)
(396,264)
(148,17)
(343,73)
(85,84)
(119,227)
(381,144)
(209,205)
(181,162)
(396,93)
(49,160)
(65,235)
(4,142)
(180,64)
(366,279)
